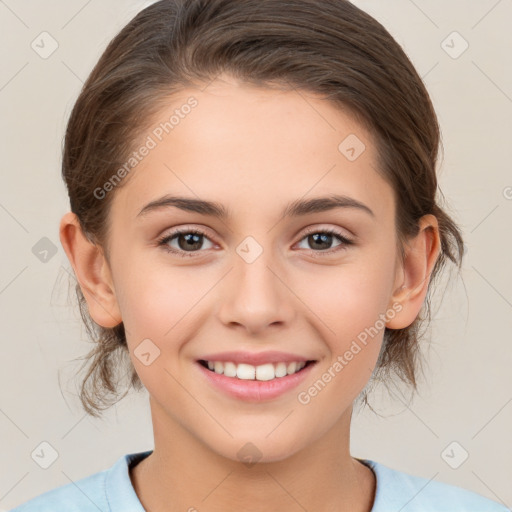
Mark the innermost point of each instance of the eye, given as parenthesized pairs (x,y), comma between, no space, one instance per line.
(188,241)
(320,240)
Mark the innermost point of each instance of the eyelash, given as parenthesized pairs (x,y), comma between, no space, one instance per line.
(187,254)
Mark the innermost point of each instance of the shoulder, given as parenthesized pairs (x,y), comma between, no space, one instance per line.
(409,493)
(87,494)
(108,490)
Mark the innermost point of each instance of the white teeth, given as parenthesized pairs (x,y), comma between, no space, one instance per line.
(280,369)
(291,367)
(230,369)
(245,371)
(263,372)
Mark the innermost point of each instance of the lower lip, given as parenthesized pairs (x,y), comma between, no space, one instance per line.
(255,390)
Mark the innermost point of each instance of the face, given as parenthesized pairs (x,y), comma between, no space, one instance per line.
(312,284)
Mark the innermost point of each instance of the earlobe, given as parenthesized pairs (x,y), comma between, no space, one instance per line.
(422,252)
(92,272)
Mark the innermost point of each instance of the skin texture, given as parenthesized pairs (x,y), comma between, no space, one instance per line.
(253,150)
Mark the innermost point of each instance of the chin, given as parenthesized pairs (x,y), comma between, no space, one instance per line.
(259,450)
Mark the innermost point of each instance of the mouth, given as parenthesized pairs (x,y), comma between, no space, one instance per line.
(257,384)
(264,372)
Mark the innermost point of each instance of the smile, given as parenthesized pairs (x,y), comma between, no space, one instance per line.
(264,372)
(255,383)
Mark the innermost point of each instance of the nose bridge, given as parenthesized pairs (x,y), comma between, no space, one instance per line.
(254,295)
(255,283)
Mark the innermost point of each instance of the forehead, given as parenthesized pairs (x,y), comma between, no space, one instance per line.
(252,147)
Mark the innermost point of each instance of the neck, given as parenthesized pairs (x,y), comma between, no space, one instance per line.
(182,473)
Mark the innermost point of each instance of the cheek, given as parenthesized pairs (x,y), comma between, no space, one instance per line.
(350,311)
(154,300)
(159,306)
(349,298)
(351,303)
(167,304)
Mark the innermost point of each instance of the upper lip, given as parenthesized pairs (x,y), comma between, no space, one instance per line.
(255,358)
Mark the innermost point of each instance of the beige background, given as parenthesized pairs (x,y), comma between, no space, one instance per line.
(466,397)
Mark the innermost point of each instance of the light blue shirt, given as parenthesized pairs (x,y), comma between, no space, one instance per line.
(111,490)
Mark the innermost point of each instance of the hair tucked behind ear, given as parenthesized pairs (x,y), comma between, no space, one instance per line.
(328,47)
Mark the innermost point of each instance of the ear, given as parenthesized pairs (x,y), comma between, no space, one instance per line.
(413,277)
(92,272)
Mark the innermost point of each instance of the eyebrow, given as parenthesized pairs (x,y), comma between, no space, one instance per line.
(294,209)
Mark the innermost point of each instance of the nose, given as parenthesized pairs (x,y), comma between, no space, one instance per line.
(255,296)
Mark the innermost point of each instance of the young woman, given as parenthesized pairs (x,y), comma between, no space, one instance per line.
(255,229)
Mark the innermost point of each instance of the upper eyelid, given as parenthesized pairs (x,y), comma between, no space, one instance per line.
(337,231)
(187,229)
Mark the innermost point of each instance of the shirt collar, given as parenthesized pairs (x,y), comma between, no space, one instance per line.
(121,495)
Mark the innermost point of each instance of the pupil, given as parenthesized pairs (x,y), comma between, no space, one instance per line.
(322,237)
(192,241)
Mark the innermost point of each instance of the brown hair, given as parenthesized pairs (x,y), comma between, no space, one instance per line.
(328,47)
